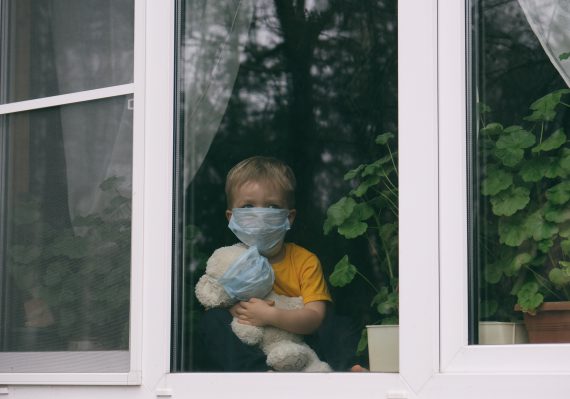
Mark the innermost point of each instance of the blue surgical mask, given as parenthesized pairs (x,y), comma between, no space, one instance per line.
(263,228)
(249,276)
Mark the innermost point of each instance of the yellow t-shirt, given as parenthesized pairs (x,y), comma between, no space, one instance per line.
(300,274)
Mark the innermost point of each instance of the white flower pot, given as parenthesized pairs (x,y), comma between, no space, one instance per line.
(384,342)
(383,348)
(499,333)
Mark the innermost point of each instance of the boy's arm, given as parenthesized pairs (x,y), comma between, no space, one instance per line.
(299,321)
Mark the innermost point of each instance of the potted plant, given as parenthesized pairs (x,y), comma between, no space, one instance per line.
(75,280)
(525,180)
(370,212)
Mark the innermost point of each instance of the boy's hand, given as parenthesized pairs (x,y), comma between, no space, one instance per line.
(255,312)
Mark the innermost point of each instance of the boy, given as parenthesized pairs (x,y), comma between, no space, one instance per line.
(260,195)
(262,184)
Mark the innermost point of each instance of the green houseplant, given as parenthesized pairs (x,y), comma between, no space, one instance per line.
(525,181)
(78,275)
(369,212)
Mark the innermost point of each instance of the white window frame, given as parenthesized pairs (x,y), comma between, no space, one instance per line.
(418,178)
(134,353)
(435,360)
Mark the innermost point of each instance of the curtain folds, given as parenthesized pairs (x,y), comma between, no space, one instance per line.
(212,49)
(94,49)
(550,22)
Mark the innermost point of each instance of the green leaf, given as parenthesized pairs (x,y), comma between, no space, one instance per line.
(540,228)
(355,225)
(529,298)
(559,276)
(384,138)
(352,228)
(509,156)
(483,108)
(556,140)
(519,261)
(508,202)
(343,273)
(564,56)
(559,194)
(362,343)
(553,168)
(493,273)
(339,212)
(533,170)
(492,129)
(564,162)
(564,230)
(545,245)
(544,108)
(556,214)
(511,144)
(496,181)
(388,231)
(512,231)
(351,174)
(516,137)
(119,201)
(363,187)
(381,167)
(388,307)
(111,183)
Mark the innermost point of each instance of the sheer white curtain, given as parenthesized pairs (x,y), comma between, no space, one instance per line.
(213,47)
(93,48)
(550,21)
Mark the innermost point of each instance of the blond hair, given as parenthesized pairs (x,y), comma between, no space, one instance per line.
(262,169)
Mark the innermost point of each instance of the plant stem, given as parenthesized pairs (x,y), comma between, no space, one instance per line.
(393,186)
(392,158)
(394,206)
(367,281)
(544,282)
(388,261)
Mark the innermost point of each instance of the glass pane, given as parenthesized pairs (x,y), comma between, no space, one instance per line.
(520,190)
(312,84)
(66,228)
(61,46)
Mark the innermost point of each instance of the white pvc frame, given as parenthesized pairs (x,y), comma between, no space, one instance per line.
(435,360)
(456,355)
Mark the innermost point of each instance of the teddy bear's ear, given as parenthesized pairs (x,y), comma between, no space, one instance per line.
(211,294)
(221,260)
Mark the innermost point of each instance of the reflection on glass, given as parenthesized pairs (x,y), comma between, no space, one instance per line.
(65,227)
(520,170)
(314,84)
(62,46)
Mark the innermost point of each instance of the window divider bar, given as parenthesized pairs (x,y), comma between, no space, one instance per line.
(64,99)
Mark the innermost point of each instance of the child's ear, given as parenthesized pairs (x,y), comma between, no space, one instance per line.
(228,214)
(292,214)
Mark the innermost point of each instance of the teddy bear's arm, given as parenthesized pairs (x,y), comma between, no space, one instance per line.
(248,334)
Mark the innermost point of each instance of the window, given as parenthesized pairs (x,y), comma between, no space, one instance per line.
(315,85)
(66,177)
(520,239)
(459,319)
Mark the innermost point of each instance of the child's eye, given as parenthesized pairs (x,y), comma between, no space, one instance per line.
(273,206)
(247,206)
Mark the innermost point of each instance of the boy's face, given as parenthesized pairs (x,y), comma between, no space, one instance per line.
(260,194)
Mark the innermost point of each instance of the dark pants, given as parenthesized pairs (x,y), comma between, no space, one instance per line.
(221,350)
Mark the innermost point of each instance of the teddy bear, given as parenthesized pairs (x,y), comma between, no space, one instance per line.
(285,351)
